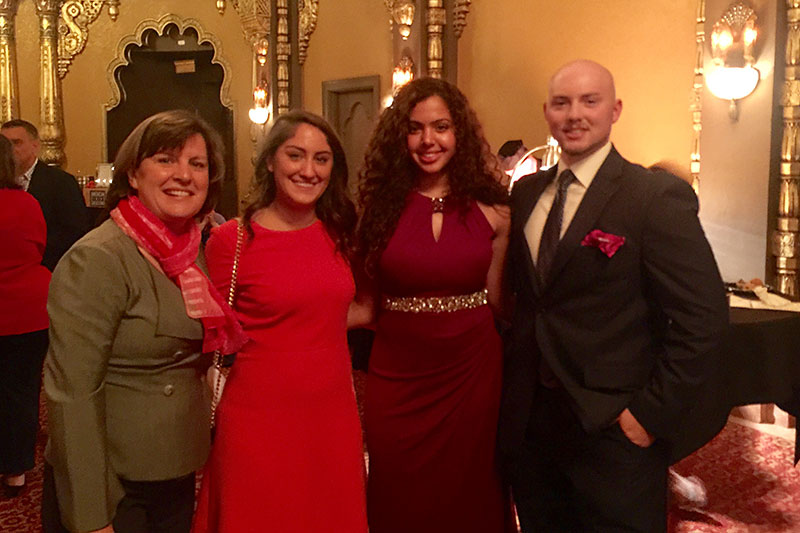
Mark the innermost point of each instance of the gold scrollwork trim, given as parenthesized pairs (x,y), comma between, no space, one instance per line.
(255,17)
(73,30)
(460,12)
(308,23)
(159,26)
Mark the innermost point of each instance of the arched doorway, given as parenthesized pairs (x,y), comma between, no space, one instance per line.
(170,64)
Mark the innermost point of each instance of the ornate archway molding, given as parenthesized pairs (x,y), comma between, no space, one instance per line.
(137,38)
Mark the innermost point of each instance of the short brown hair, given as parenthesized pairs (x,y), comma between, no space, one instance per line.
(19,123)
(167,130)
(8,178)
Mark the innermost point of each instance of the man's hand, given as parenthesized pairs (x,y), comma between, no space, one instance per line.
(634,430)
(108,529)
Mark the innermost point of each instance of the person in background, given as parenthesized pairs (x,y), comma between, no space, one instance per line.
(23,323)
(132,314)
(287,454)
(432,240)
(56,191)
(510,153)
(619,307)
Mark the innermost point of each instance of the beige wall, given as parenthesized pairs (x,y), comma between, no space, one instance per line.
(510,49)
(738,158)
(352,39)
(86,87)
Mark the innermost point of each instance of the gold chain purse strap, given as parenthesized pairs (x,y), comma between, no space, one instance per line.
(222,371)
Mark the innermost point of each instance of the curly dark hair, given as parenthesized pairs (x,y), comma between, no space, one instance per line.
(334,208)
(167,130)
(389,173)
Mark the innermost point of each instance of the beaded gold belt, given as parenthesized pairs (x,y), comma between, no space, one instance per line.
(435,304)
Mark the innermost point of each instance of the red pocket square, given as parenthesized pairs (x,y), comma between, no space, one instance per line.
(608,243)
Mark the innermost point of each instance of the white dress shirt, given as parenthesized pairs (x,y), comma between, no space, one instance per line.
(25,179)
(584,171)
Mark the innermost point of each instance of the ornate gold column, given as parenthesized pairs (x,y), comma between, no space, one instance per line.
(282,51)
(9,84)
(436,19)
(785,245)
(51,111)
(697,94)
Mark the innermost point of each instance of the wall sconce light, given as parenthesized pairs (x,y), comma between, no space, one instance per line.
(733,40)
(220,7)
(403,13)
(402,74)
(260,113)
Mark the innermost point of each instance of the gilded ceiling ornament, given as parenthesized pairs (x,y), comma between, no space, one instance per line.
(221,7)
(73,30)
(255,18)
(113,9)
(460,12)
(308,23)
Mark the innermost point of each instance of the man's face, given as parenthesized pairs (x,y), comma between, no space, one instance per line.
(580,109)
(26,148)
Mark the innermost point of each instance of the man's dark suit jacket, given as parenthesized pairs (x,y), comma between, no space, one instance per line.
(633,330)
(64,210)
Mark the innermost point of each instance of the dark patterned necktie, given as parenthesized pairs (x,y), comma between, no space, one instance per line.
(551,233)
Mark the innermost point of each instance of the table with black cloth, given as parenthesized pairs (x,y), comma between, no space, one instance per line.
(758,363)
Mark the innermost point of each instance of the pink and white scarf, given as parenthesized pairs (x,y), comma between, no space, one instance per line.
(175,255)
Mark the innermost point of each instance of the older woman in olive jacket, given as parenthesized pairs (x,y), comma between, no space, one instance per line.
(124,375)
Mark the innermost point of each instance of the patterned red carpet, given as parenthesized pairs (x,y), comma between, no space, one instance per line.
(752,487)
(751,483)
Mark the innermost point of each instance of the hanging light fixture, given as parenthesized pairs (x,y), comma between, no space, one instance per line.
(261,111)
(403,14)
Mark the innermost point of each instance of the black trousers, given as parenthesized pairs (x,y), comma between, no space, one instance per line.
(21,358)
(147,507)
(569,481)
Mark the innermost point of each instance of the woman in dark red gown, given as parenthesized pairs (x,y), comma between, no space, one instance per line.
(288,455)
(433,237)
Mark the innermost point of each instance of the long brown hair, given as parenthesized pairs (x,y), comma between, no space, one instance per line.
(389,174)
(8,178)
(167,130)
(334,208)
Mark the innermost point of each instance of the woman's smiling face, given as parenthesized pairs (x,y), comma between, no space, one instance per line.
(173,184)
(302,168)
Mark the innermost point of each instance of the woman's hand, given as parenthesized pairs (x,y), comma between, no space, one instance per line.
(108,529)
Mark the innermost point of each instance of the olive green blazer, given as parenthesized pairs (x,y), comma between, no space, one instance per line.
(124,377)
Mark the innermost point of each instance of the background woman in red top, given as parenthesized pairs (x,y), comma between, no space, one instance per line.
(23,323)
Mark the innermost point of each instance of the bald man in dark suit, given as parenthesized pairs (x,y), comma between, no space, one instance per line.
(619,305)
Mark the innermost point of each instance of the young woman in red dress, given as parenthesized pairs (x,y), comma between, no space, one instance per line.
(288,455)
(432,237)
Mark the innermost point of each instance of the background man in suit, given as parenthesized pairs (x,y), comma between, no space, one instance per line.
(619,305)
(56,191)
